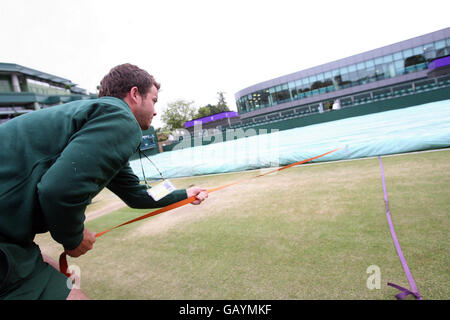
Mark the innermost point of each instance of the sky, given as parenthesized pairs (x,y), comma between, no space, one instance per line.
(197,48)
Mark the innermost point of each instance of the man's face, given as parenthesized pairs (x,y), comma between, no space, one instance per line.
(146,108)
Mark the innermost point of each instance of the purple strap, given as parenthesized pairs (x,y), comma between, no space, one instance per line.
(404,292)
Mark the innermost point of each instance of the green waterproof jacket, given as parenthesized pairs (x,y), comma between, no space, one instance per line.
(54,161)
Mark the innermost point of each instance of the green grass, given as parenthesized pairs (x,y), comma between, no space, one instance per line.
(308,232)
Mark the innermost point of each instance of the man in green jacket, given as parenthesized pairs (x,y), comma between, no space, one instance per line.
(54,161)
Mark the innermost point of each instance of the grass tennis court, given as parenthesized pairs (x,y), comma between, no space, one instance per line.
(308,232)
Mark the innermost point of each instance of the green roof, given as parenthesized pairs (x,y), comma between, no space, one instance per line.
(15,98)
(16,68)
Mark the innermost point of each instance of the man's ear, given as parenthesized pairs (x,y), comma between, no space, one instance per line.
(132,97)
(134,93)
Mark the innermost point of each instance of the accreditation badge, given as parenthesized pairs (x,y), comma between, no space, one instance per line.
(161,190)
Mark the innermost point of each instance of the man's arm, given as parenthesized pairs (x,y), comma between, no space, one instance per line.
(126,186)
(101,145)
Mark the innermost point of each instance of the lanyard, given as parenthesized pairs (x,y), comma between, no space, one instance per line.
(142,168)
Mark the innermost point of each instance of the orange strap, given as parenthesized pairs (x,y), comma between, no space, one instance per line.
(63,266)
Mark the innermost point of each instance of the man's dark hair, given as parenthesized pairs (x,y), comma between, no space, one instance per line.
(119,81)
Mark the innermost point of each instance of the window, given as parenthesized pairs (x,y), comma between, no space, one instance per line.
(363,76)
(265,98)
(399,67)
(429,52)
(428,47)
(328,83)
(305,91)
(407,53)
(379,60)
(370,64)
(294,93)
(271,96)
(379,72)
(398,56)
(45,87)
(371,76)
(5,84)
(391,70)
(242,105)
(439,44)
(442,52)
(388,58)
(362,98)
(314,108)
(292,89)
(353,78)
(417,50)
(281,93)
(345,80)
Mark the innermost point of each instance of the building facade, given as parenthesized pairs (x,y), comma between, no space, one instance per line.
(387,72)
(24,90)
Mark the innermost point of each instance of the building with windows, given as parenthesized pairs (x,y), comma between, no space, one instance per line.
(406,68)
(24,89)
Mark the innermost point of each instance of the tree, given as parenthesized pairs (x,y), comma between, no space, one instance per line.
(210,109)
(162,134)
(204,111)
(221,104)
(177,113)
